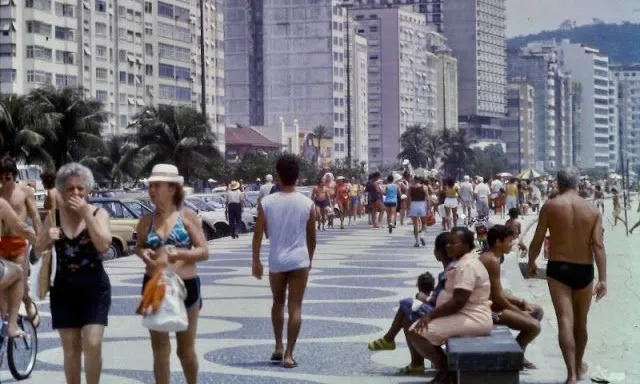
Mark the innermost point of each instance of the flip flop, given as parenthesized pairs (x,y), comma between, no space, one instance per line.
(35,319)
(276,357)
(290,365)
(21,334)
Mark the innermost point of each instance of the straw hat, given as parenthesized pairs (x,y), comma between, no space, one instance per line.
(167,173)
(234,185)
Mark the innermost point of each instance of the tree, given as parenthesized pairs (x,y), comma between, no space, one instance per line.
(117,165)
(68,123)
(458,157)
(414,144)
(488,162)
(16,139)
(178,135)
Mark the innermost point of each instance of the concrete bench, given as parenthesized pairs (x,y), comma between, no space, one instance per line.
(494,359)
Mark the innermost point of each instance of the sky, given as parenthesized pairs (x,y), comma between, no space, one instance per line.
(531,16)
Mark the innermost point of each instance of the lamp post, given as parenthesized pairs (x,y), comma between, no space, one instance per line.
(203,76)
(346,5)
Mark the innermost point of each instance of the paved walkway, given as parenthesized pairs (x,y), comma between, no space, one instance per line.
(358,277)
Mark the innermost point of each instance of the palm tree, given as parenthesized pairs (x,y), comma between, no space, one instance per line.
(178,135)
(457,154)
(414,143)
(16,139)
(69,123)
(117,165)
(320,132)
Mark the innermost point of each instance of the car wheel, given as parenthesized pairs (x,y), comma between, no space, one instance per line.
(222,230)
(114,251)
(209,232)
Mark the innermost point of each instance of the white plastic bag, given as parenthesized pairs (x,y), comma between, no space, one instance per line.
(172,314)
(34,275)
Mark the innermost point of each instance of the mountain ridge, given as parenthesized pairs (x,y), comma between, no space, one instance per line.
(618,41)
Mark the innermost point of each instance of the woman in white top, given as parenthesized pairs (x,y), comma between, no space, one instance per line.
(289,220)
(235,201)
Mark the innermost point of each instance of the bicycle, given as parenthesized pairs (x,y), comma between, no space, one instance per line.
(14,347)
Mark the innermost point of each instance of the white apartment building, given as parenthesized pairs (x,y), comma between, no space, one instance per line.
(446,99)
(402,84)
(359,84)
(628,80)
(125,53)
(591,69)
(288,60)
(614,135)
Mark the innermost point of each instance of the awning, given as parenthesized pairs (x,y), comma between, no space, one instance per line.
(87,52)
(7,2)
(7,26)
(139,60)
(131,59)
(140,101)
(132,101)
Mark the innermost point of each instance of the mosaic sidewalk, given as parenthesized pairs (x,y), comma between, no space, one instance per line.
(358,277)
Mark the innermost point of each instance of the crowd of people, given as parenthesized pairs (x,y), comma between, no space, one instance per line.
(466,300)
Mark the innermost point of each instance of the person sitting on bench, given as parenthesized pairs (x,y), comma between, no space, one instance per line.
(507,309)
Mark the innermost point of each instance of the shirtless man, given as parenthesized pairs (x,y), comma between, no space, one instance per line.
(598,198)
(506,309)
(320,197)
(576,233)
(14,246)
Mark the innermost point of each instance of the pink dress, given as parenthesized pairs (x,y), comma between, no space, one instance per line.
(474,319)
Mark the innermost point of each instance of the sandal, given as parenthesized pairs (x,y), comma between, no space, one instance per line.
(276,357)
(290,365)
(411,370)
(382,345)
(35,317)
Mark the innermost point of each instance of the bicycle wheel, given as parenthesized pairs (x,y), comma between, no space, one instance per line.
(22,352)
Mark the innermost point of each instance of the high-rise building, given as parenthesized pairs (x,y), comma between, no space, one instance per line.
(125,53)
(446,81)
(628,79)
(518,127)
(614,134)
(288,61)
(402,84)
(538,63)
(359,89)
(591,69)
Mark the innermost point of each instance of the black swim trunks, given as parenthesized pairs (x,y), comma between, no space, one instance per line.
(576,276)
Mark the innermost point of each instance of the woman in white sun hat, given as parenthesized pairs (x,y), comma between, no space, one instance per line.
(172,237)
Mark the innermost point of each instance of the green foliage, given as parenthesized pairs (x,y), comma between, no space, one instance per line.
(488,162)
(420,147)
(618,41)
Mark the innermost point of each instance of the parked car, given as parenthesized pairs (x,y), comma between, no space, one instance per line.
(216,202)
(123,222)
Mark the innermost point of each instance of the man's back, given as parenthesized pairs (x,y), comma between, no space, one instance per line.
(571,221)
(466,191)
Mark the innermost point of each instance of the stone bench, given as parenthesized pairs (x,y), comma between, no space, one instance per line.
(494,359)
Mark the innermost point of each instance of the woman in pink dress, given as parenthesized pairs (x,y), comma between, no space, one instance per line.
(462,309)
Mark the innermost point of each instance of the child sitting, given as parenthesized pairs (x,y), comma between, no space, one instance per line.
(422,304)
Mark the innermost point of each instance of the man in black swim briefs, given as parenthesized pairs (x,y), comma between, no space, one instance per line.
(575,228)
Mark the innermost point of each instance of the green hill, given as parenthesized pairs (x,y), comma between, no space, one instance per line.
(621,42)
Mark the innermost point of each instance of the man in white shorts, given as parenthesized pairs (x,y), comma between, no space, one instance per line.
(482,193)
(466,197)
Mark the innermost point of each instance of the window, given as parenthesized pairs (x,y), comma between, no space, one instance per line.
(42,5)
(148,49)
(7,50)
(183,73)
(123,76)
(122,98)
(101,73)
(167,91)
(66,80)
(64,10)
(183,94)
(130,78)
(165,9)
(37,27)
(63,33)
(124,121)
(174,32)
(65,57)
(166,70)
(101,6)
(175,53)
(39,53)
(101,96)
(148,7)
(148,70)
(7,75)
(101,51)
(39,77)
(101,29)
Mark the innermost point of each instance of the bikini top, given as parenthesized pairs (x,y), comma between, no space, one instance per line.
(178,236)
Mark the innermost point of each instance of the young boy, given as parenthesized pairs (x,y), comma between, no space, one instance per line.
(403,319)
(514,225)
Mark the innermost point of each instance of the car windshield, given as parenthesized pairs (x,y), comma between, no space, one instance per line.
(137,208)
(199,204)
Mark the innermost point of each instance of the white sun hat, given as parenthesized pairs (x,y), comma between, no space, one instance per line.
(167,173)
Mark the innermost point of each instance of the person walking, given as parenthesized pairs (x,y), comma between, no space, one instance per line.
(172,237)
(391,202)
(289,218)
(235,201)
(575,228)
(418,207)
(80,296)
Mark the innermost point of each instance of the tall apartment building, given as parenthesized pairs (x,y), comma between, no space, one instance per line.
(446,81)
(359,90)
(628,79)
(538,64)
(288,61)
(518,127)
(402,84)
(125,53)
(591,69)
(614,135)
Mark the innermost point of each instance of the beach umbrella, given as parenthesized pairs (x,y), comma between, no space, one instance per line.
(529,174)
(504,174)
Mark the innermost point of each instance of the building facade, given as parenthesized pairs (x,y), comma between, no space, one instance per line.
(399,64)
(614,134)
(564,120)
(518,126)
(288,61)
(359,84)
(628,80)
(126,53)
(591,69)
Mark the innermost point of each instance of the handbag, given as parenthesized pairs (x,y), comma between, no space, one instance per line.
(162,305)
(47,269)
(431,220)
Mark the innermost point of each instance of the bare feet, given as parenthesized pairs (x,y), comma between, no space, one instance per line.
(571,381)
(582,371)
(528,365)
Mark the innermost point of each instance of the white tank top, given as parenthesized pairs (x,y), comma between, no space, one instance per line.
(286,216)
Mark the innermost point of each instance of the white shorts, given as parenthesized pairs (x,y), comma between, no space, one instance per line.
(418,209)
(451,202)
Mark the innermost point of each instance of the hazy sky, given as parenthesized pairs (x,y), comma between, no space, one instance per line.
(530,16)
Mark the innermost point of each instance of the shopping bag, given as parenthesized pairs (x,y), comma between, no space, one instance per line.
(162,305)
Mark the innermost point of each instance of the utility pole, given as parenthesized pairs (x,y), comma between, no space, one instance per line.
(346,5)
(203,75)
